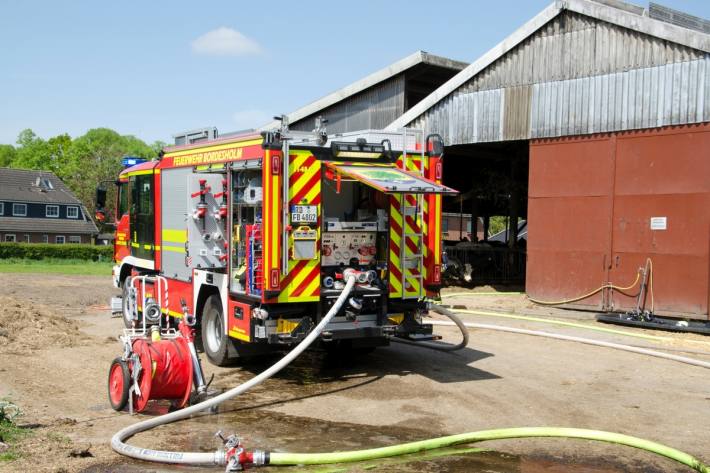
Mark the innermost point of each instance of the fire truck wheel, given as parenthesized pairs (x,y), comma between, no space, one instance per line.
(214,340)
(119,381)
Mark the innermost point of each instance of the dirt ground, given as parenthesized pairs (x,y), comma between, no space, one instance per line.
(57,341)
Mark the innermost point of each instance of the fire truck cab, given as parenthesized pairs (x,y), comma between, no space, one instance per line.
(252,234)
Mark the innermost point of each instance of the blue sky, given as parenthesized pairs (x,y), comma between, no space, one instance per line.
(151,69)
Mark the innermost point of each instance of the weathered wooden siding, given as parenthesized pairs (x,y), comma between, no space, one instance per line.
(576,75)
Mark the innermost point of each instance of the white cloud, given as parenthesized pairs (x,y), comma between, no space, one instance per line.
(225,42)
(250,119)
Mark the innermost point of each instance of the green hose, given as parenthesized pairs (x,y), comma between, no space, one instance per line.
(497,434)
(424,456)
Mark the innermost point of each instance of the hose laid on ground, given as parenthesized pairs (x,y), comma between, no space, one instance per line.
(218,457)
(565,324)
(586,341)
(649,263)
(657,338)
(442,346)
(276,458)
(589,294)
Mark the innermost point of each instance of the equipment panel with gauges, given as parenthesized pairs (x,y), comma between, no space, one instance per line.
(340,247)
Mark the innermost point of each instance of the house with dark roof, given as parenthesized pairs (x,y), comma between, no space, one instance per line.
(36,207)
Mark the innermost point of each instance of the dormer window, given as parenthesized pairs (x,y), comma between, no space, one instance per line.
(52,211)
(44,184)
(72,212)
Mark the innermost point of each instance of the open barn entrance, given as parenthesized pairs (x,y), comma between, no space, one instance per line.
(485,227)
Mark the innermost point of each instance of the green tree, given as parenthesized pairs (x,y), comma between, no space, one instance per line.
(7,155)
(32,152)
(96,157)
(158,146)
(497,224)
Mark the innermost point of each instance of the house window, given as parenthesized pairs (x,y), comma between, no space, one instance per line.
(72,212)
(45,238)
(74,239)
(27,237)
(9,237)
(2,208)
(52,211)
(445,224)
(19,210)
(59,239)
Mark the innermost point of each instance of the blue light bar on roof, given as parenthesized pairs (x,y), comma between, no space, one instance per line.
(129,161)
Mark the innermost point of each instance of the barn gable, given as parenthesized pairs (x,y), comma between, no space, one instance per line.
(578,67)
(376,100)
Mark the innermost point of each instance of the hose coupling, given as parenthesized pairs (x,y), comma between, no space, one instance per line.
(260,458)
(235,457)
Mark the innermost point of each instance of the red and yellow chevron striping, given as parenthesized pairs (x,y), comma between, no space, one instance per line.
(302,283)
(404,266)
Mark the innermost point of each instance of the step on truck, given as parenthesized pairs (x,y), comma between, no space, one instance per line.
(250,236)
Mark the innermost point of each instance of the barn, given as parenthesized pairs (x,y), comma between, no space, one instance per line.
(598,112)
(591,122)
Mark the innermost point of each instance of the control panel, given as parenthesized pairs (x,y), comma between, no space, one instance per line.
(206,221)
(340,247)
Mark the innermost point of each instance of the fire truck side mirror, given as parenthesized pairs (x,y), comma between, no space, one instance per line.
(100,202)
(434,145)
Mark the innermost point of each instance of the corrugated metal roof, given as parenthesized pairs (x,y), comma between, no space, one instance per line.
(555,62)
(374,79)
(679,18)
(373,108)
(21,185)
(47,225)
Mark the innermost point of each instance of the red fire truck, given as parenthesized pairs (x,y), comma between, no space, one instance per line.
(251,234)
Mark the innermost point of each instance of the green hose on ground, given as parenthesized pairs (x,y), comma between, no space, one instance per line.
(404,459)
(497,434)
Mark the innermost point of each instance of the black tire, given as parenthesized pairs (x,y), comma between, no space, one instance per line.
(119,382)
(215,341)
(125,314)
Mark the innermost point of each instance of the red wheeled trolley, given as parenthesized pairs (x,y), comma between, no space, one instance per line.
(159,361)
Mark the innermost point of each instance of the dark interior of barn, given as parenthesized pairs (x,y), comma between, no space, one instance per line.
(492,179)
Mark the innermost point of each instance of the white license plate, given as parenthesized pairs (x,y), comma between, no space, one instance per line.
(304,214)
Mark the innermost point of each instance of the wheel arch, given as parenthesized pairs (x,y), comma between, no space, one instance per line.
(204,293)
(126,270)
